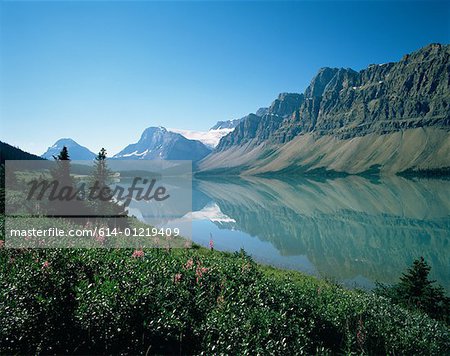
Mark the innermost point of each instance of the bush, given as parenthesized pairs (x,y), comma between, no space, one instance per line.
(193,301)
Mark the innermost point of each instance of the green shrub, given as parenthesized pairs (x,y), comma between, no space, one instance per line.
(193,301)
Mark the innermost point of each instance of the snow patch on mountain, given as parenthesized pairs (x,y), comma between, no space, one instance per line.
(210,138)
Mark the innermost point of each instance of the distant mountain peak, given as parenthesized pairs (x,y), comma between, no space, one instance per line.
(66,140)
(155,129)
(227,124)
(76,151)
(159,143)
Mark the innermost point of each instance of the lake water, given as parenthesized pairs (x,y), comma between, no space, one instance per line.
(352,230)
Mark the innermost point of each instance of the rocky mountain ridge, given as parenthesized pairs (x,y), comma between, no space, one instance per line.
(342,104)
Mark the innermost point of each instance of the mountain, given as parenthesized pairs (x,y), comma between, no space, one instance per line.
(8,152)
(387,118)
(76,151)
(256,128)
(231,124)
(262,111)
(212,137)
(228,124)
(159,143)
(209,138)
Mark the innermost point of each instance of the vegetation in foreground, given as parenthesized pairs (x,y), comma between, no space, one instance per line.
(192,301)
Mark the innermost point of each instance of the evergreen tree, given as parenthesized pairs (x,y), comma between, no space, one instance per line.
(61,172)
(63,155)
(414,282)
(416,290)
(101,178)
(66,186)
(102,173)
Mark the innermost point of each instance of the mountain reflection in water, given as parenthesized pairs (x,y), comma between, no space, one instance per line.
(353,230)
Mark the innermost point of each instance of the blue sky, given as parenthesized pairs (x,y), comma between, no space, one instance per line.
(101,72)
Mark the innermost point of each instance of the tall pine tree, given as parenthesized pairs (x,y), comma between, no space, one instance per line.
(416,290)
(61,172)
(101,175)
(101,178)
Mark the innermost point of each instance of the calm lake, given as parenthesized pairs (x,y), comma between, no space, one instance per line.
(352,230)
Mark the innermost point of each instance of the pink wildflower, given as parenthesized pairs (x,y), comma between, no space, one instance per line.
(189,264)
(211,242)
(177,278)
(2,243)
(138,254)
(199,272)
(45,265)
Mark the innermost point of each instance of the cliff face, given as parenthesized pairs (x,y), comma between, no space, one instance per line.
(343,104)
(259,128)
(414,92)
